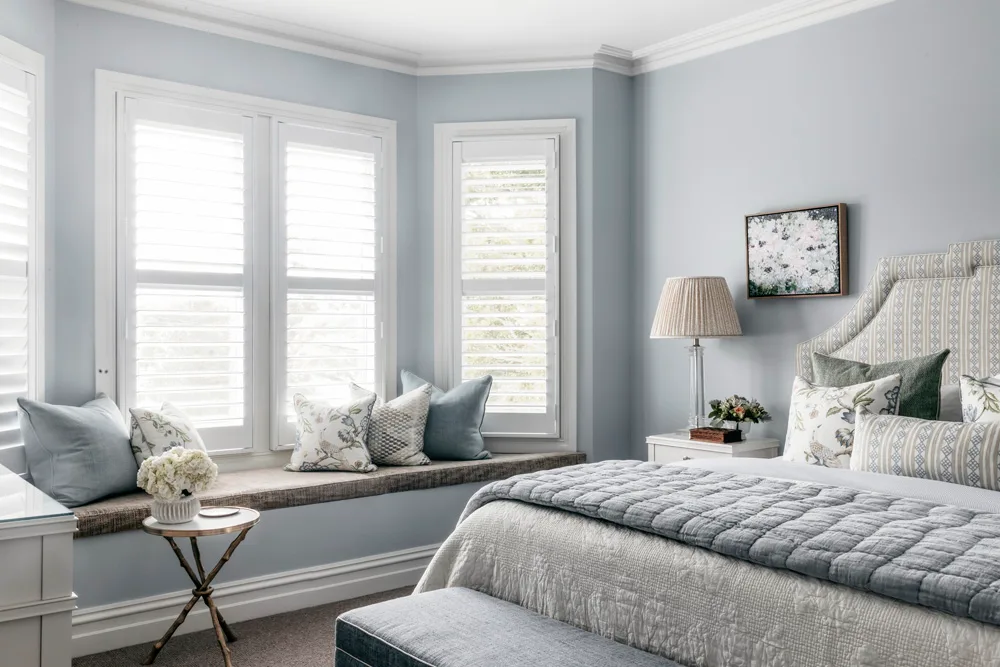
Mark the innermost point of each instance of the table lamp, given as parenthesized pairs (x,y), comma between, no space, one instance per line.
(699,307)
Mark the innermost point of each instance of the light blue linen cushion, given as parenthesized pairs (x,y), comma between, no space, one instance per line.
(77,455)
(454,419)
(458,627)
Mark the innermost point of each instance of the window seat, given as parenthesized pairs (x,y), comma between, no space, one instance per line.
(273,488)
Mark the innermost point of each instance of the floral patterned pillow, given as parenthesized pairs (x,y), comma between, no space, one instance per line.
(980,399)
(822,419)
(332,437)
(154,432)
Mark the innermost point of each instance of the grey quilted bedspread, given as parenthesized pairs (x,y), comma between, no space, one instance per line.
(938,556)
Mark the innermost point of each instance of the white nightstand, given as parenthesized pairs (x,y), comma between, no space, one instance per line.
(673,447)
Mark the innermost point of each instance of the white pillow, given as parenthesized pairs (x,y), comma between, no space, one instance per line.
(951,403)
(396,436)
(821,420)
(154,432)
(332,437)
(980,399)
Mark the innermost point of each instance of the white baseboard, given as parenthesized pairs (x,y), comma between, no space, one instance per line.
(121,624)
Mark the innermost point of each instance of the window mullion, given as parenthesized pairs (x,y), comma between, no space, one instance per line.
(261,191)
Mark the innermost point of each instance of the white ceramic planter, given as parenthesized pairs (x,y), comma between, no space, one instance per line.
(175,511)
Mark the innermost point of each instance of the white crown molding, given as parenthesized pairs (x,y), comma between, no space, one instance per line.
(253,28)
(613,59)
(776,19)
(606,57)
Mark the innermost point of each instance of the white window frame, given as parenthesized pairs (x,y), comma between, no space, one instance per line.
(32,63)
(110,219)
(447,287)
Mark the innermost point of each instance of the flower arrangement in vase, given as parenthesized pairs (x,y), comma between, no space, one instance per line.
(173,478)
(737,413)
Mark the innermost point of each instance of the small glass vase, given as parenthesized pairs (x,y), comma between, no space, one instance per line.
(742,427)
(175,511)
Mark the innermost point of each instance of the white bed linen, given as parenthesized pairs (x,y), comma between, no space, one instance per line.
(701,608)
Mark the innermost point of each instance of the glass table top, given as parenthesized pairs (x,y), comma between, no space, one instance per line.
(20,501)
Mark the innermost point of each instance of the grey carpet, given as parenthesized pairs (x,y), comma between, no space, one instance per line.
(301,638)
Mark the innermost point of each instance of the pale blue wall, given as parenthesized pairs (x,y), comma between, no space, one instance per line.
(28,22)
(611,267)
(892,110)
(90,39)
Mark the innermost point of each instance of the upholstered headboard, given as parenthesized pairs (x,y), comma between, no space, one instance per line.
(919,304)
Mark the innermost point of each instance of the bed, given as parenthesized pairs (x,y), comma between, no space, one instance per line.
(699,606)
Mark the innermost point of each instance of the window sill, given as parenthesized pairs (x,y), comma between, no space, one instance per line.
(273,488)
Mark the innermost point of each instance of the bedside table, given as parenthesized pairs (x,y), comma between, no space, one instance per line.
(673,447)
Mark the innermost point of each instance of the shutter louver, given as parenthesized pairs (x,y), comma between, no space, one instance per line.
(505,205)
(17,213)
(330,212)
(188,203)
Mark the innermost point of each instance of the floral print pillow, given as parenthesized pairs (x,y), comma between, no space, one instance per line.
(332,437)
(822,419)
(980,399)
(155,432)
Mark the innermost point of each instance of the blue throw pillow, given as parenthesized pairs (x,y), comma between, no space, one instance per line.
(77,455)
(454,419)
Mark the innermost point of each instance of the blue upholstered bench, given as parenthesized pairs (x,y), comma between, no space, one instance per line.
(456,627)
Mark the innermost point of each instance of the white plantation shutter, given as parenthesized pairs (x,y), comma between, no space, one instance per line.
(188,198)
(20,344)
(327,308)
(506,207)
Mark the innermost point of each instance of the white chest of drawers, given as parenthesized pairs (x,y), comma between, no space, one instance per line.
(674,447)
(36,576)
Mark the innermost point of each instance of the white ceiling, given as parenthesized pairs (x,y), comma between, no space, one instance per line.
(456,35)
(442,29)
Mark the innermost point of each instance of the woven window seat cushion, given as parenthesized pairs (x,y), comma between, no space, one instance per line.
(274,488)
(457,627)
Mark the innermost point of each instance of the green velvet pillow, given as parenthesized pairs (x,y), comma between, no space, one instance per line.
(920,394)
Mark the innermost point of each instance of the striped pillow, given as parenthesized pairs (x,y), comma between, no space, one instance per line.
(967,454)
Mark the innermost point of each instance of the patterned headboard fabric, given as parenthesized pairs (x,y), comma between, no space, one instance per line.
(919,304)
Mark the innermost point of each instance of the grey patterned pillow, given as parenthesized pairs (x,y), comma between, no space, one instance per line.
(967,454)
(396,436)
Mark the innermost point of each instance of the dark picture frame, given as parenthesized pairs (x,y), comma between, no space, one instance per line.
(799,252)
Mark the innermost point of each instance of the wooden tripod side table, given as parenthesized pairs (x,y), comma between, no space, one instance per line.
(242,521)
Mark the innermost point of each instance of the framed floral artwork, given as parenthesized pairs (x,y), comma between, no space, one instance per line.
(802,252)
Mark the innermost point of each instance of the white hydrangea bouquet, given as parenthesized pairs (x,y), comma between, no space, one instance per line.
(173,478)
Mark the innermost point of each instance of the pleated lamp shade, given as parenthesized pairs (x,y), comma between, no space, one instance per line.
(700,307)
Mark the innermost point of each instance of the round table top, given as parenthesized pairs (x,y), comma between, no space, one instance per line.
(202,526)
